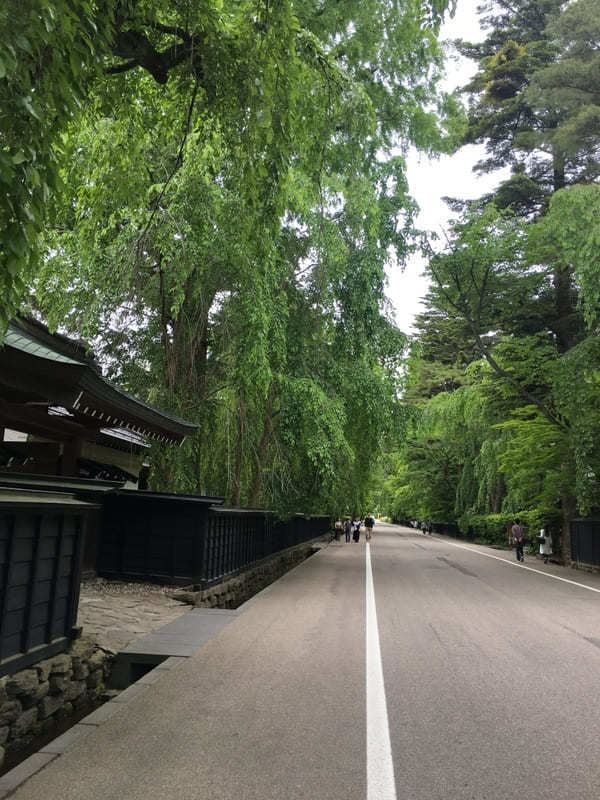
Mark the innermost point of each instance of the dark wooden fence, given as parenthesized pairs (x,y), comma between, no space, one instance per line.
(585,541)
(41,542)
(184,539)
(90,491)
(233,539)
(146,535)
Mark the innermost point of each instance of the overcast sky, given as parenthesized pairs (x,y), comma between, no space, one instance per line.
(432,179)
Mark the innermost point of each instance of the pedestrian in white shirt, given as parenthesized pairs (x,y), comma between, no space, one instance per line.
(545,540)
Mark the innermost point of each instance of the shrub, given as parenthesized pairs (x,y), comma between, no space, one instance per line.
(492,528)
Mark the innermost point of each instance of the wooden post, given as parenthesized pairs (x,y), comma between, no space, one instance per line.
(67,463)
(35,565)
(58,554)
(8,565)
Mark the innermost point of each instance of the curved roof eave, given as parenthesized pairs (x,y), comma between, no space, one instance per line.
(92,395)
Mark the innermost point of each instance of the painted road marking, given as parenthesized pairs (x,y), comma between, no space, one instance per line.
(380,766)
(519,565)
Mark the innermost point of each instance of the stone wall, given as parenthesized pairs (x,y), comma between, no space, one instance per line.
(34,700)
(235,591)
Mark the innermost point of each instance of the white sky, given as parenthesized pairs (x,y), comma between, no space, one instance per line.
(432,179)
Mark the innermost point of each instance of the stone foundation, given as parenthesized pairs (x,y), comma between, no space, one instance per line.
(235,591)
(36,699)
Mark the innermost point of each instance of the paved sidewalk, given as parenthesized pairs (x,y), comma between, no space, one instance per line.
(211,714)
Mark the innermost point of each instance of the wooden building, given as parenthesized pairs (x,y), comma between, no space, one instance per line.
(68,438)
(59,416)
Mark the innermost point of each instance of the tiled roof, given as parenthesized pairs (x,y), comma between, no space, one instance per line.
(21,340)
(91,394)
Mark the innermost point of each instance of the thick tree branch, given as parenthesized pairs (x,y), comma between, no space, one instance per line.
(172,30)
(118,68)
(485,352)
(139,51)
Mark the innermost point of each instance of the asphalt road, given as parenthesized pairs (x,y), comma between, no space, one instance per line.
(491,676)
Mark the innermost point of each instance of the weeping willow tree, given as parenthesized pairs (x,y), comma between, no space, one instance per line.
(231,192)
(519,436)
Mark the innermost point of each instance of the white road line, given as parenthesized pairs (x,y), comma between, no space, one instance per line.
(380,767)
(520,566)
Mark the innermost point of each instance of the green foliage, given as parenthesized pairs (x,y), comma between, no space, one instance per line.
(532,460)
(504,370)
(569,237)
(534,100)
(492,529)
(434,471)
(229,202)
(474,279)
(49,53)
(512,428)
(576,388)
(568,88)
(265,75)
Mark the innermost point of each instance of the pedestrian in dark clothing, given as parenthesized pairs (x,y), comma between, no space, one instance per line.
(369,524)
(518,533)
(348,529)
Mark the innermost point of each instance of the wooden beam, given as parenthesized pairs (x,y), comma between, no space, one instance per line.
(34,449)
(31,419)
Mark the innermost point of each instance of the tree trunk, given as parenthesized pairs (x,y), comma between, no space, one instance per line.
(498,495)
(558,172)
(190,347)
(169,365)
(566,316)
(236,493)
(569,509)
(161,475)
(262,450)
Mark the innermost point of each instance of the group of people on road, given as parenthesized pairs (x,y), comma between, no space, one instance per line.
(351,527)
(517,538)
(515,531)
(420,525)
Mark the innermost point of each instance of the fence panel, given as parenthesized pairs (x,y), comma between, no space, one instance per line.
(238,536)
(41,546)
(152,536)
(585,541)
(191,540)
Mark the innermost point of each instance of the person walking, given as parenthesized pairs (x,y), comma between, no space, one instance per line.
(518,533)
(369,525)
(348,528)
(545,542)
(356,528)
(338,529)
